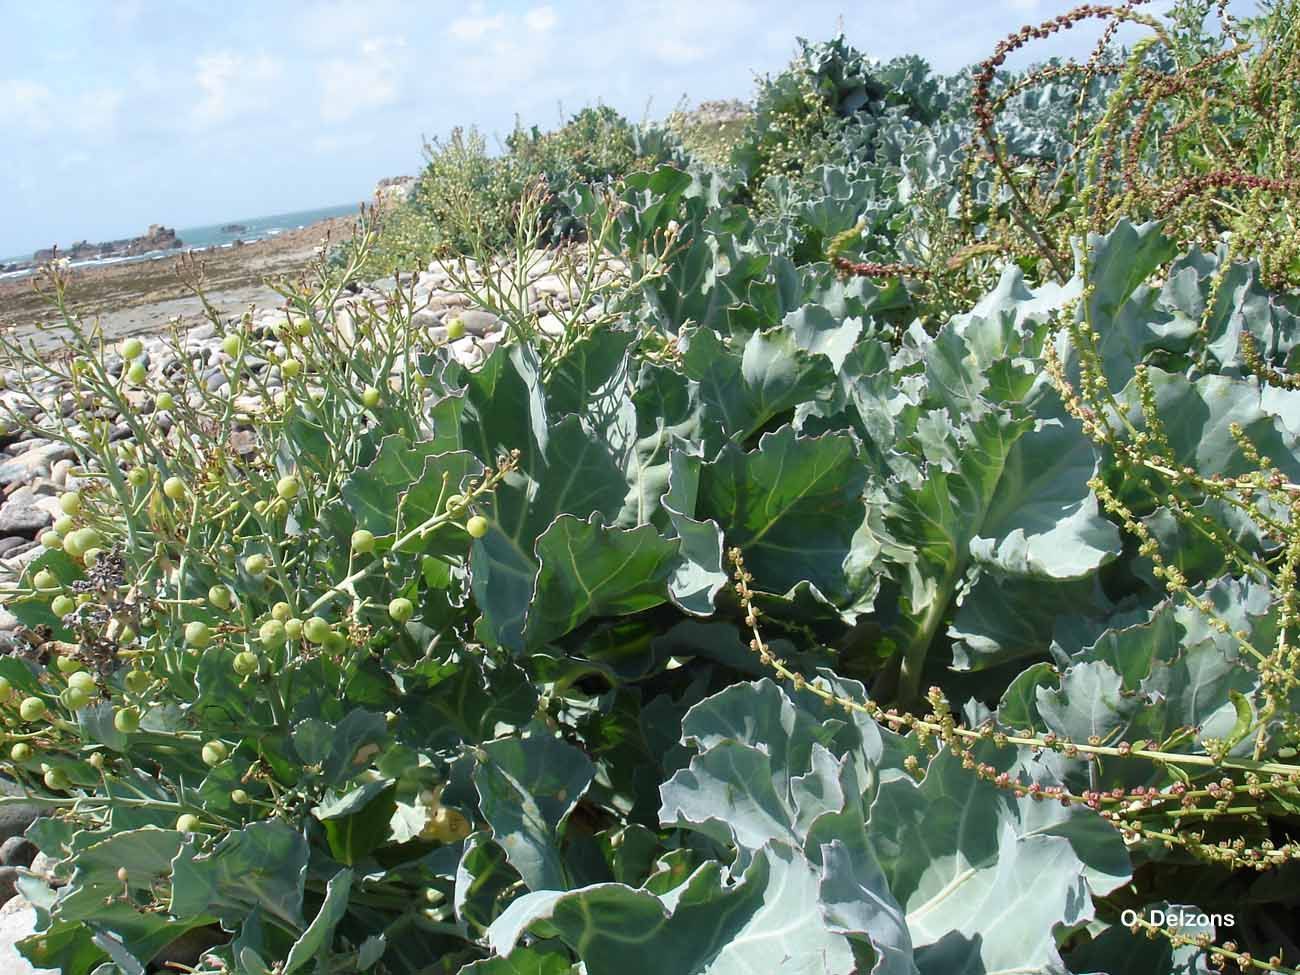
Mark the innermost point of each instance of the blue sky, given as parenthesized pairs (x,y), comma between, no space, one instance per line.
(124,113)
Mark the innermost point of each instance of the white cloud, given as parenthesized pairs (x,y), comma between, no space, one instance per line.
(232,85)
(540,19)
(33,106)
(363,82)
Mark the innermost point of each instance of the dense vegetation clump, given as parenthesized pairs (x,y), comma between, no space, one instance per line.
(874,552)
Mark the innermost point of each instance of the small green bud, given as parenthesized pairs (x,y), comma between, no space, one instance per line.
(370,397)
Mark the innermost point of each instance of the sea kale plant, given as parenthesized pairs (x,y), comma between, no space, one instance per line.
(801,600)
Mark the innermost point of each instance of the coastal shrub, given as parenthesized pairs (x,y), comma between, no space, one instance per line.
(467,199)
(729,609)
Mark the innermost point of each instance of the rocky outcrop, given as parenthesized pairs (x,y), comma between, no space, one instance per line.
(234,228)
(395,189)
(156,238)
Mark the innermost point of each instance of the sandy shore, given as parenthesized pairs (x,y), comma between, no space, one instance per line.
(142,297)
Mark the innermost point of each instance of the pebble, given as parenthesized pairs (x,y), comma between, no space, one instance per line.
(18,851)
(59,473)
(18,921)
(20,516)
(34,462)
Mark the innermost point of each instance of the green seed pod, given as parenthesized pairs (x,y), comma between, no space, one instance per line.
(198,634)
(370,397)
(271,633)
(288,487)
(455,329)
(316,630)
(245,663)
(51,539)
(62,605)
(231,345)
(74,699)
(221,597)
(45,579)
(290,368)
(84,681)
(214,752)
(255,564)
(65,524)
(335,642)
(174,488)
(91,555)
(401,609)
(70,503)
(239,797)
(187,823)
(126,720)
(131,348)
(66,665)
(477,526)
(281,611)
(137,374)
(21,752)
(293,628)
(6,690)
(32,709)
(56,780)
(164,401)
(363,542)
(137,681)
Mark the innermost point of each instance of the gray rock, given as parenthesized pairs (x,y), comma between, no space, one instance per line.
(8,882)
(8,545)
(15,819)
(22,517)
(59,473)
(43,866)
(479,322)
(18,851)
(15,925)
(33,463)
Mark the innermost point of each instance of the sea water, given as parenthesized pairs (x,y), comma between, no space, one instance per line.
(212,235)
